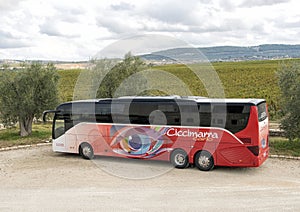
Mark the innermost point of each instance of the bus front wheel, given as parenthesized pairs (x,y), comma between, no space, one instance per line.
(179,159)
(204,161)
(86,151)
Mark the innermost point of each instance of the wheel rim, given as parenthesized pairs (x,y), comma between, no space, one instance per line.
(204,161)
(179,159)
(86,151)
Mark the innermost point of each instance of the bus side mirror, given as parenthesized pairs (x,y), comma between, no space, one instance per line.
(45,114)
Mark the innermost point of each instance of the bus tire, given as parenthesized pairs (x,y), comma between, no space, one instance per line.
(179,159)
(204,161)
(86,151)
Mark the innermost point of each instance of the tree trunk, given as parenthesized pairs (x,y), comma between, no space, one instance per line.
(25,126)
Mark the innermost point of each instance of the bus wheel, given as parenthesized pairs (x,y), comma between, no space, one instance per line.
(179,159)
(86,151)
(204,161)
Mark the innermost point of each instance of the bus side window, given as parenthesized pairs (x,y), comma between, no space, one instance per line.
(103,113)
(205,115)
(68,124)
(170,112)
(139,112)
(237,117)
(189,114)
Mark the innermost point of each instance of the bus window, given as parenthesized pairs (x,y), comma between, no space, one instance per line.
(139,112)
(262,111)
(103,113)
(61,124)
(205,115)
(59,127)
(189,114)
(170,113)
(232,117)
(157,117)
(119,112)
(157,113)
(237,117)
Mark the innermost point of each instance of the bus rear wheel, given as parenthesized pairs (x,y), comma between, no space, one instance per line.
(179,159)
(204,161)
(86,151)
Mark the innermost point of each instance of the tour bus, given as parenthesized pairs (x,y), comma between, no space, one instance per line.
(197,131)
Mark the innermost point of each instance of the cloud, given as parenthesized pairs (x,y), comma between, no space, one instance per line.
(8,41)
(256,3)
(6,6)
(59,28)
(117,25)
(169,12)
(291,21)
(68,13)
(80,28)
(50,30)
(122,6)
(227,5)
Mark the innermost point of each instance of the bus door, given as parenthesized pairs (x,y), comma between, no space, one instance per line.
(60,126)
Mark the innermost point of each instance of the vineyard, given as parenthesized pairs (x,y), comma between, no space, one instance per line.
(250,79)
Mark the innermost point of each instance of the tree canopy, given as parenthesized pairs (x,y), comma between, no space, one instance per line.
(120,72)
(289,83)
(26,93)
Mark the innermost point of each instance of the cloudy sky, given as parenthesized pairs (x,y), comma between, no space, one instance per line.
(76,29)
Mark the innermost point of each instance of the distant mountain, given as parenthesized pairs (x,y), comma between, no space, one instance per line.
(224,53)
(192,55)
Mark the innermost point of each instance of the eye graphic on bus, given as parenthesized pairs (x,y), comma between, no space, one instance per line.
(142,142)
(263,143)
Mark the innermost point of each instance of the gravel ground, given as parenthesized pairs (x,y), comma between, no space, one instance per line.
(36,179)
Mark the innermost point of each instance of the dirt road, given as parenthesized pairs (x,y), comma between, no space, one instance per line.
(36,179)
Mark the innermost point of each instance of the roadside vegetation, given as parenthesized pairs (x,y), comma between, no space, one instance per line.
(289,83)
(282,146)
(26,93)
(11,137)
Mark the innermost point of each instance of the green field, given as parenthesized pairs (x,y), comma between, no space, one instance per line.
(282,146)
(249,79)
(10,137)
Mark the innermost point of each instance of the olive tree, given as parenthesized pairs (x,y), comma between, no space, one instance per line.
(121,71)
(26,93)
(289,83)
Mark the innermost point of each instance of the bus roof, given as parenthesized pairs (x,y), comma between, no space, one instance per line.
(198,99)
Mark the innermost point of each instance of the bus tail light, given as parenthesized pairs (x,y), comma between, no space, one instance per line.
(246,140)
(254,150)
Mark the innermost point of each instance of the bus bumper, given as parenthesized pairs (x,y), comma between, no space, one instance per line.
(262,157)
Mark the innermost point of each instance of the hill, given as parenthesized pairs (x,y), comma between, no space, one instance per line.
(224,53)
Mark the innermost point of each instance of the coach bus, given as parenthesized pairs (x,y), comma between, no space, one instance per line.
(197,131)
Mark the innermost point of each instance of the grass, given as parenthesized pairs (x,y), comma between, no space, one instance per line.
(282,146)
(10,137)
(250,79)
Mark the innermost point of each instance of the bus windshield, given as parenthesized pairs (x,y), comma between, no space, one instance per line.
(61,124)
